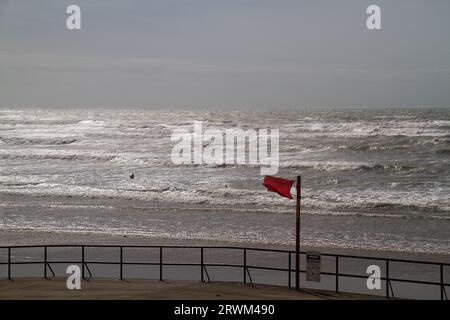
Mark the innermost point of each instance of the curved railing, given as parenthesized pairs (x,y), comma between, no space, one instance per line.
(203,266)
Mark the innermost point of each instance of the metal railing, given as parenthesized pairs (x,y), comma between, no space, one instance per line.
(247,277)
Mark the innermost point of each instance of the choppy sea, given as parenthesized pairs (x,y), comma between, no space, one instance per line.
(371,178)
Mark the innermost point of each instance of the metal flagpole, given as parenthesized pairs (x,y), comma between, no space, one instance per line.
(297,234)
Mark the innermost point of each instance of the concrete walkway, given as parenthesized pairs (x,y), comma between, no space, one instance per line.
(33,288)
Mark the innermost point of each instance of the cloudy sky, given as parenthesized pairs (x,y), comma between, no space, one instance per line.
(224,54)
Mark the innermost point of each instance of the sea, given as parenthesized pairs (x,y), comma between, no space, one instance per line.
(371,178)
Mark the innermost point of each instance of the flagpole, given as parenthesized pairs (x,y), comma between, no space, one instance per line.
(297,234)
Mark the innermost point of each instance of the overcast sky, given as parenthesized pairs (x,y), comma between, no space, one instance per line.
(224,54)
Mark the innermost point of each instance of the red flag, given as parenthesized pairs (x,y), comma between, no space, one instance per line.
(279,185)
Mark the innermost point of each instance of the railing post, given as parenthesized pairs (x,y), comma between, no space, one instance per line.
(121,263)
(442,280)
(387,278)
(45,262)
(82,262)
(201,264)
(289,270)
(337,274)
(160,263)
(9,263)
(245,265)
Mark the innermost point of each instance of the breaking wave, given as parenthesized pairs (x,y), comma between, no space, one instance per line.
(369,203)
(52,155)
(327,166)
(29,141)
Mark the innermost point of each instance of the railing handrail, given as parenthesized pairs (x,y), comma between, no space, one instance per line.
(362,257)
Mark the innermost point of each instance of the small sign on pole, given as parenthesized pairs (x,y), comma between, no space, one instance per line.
(313,260)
